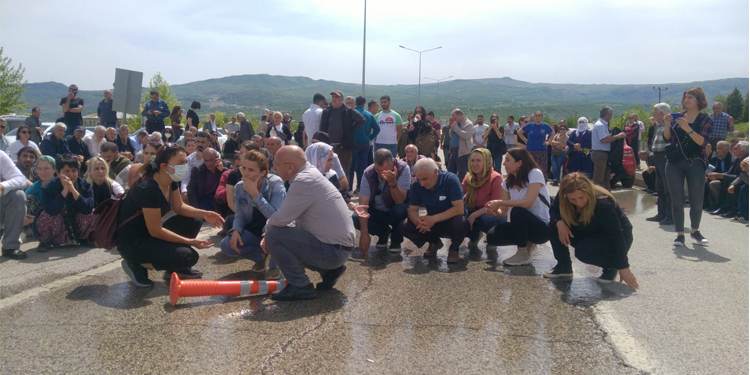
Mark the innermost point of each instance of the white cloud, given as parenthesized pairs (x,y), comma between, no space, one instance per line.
(536,40)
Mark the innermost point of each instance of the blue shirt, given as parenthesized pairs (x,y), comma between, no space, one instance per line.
(599,132)
(721,125)
(105,112)
(536,135)
(454,140)
(161,105)
(363,134)
(441,197)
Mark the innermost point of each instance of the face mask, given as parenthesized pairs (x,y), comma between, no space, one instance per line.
(168,135)
(180,172)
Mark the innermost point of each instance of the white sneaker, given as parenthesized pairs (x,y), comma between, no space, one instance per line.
(521,258)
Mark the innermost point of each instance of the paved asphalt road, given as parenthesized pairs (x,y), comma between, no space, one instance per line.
(74,311)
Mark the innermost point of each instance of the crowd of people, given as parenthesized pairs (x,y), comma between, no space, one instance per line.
(265,178)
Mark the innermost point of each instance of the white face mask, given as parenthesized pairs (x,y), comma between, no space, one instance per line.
(168,135)
(180,172)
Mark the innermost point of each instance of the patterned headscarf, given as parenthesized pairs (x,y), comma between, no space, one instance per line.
(317,155)
(474,182)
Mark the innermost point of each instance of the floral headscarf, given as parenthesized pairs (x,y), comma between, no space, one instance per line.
(317,155)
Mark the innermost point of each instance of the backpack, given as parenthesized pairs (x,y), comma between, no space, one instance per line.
(104,234)
(425,142)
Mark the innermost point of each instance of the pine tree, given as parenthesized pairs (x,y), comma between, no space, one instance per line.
(744,108)
(160,85)
(734,104)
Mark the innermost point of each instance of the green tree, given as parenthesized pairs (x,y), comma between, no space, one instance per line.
(719,98)
(744,108)
(12,86)
(734,104)
(160,85)
(221,118)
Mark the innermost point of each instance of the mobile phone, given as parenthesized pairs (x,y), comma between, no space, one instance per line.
(675,116)
(492,121)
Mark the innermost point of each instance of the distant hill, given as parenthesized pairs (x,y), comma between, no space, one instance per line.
(248,93)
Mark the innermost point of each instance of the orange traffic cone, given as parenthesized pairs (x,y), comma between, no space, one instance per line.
(194,288)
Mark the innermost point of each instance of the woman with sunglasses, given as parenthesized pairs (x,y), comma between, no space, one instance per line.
(23,139)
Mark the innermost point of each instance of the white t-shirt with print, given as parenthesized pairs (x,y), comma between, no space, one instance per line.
(539,209)
(479,131)
(387,122)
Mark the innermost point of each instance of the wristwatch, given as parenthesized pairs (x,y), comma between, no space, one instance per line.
(691,131)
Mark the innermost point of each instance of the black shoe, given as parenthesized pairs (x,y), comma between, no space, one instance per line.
(86,243)
(293,293)
(667,221)
(680,240)
(559,272)
(698,237)
(138,275)
(330,277)
(382,242)
(608,276)
(649,191)
(44,247)
(16,254)
(184,274)
(720,211)
(395,248)
(657,218)
(729,214)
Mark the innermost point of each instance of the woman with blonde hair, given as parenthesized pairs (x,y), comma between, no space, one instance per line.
(482,184)
(98,176)
(588,218)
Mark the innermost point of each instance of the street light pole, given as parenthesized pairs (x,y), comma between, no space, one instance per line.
(364,42)
(419,97)
(438,84)
(659,90)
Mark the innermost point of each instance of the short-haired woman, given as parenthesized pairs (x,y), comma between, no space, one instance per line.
(144,240)
(588,218)
(276,128)
(687,137)
(23,139)
(67,202)
(257,196)
(525,203)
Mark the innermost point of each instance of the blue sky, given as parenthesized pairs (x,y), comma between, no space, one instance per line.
(558,41)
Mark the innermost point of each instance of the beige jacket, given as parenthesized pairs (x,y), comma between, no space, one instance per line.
(465,134)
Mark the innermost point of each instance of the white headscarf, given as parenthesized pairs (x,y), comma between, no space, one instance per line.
(583,125)
(317,155)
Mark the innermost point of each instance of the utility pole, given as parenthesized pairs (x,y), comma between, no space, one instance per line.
(419,97)
(659,90)
(364,43)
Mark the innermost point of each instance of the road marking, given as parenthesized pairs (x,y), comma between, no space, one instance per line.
(625,344)
(33,292)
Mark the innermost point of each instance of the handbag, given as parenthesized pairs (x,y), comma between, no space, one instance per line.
(105,224)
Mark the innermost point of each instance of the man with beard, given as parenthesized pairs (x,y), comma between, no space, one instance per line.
(26,160)
(195,159)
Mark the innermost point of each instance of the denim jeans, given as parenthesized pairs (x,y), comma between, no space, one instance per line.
(483,224)
(359,163)
(384,223)
(250,248)
(742,207)
(497,162)
(392,147)
(294,250)
(557,164)
(694,172)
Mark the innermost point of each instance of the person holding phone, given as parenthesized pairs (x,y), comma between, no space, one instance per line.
(72,106)
(495,138)
(687,136)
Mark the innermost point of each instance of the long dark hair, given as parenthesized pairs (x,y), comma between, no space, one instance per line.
(521,178)
(163,154)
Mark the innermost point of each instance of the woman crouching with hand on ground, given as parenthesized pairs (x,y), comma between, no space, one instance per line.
(588,218)
(143,240)
(257,196)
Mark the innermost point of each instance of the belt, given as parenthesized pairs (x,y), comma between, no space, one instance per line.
(342,247)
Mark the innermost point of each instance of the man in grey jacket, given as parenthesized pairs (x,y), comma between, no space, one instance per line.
(460,143)
(12,206)
(323,236)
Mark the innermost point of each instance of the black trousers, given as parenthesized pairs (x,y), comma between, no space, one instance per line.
(455,228)
(523,227)
(590,248)
(164,255)
(384,223)
(650,180)
(155,126)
